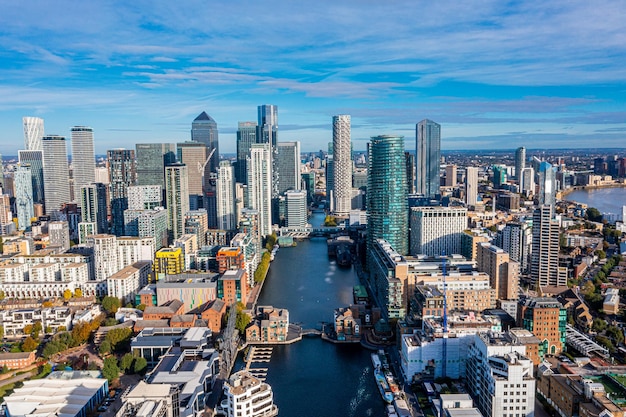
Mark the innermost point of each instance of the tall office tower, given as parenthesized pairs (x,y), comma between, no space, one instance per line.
(428,153)
(387,205)
(102,175)
(93,206)
(33,133)
(204,130)
(196,223)
(450,175)
(246,136)
(56,177)
(296,210)
(122,174)
(437,231)
(105,255)
(176,197)
(544,265)
(144,197)
(342,163)
(503,272)
(34,159)
(23,181)
(520,162)
(194,155)
(516,239)
(330,182)
(59,234)
(547,185)
(308,184)
(409,158)
(471,186)
(260,185)
(499,176)
(267,132)
(83,158)
(226,215)
(210,199)
(527,181)
(152,158)
(288,165)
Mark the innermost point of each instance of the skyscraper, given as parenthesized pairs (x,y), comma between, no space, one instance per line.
(387,205)
(56,177)
(83,158)
(499,176)
(544,265)
(33,133)
(23,182)
(204,130)
(288,165)
(409,158)
(34,159)
(246,136)
(330,182)
(428,155)
(296,210)
(437,230)
(342,158)
(267,129)
(122,174)
(503,272)
(547,184)
(194,155)
(520,162)
(226,216)
(527,181)
(151,161)
(176,197)
(471,186)
(516,239)
(144,197)
(260,185)
(93,206)
(450,175)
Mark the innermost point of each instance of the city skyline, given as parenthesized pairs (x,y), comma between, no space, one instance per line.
(493,75)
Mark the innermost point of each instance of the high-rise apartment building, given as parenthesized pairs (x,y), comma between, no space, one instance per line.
(428,155)
(246,136)
(59,234)
(267,132)
(204,130)
(260,185)
(33,133)
(83,158)
(23,182)
(93,206)
(544,265)
(296,208)
(330,182)
(387,205)
(122,174)
(527,181)
(410,172)
(148,224)
(196,222)
(34,159)
(226,215)
(144,197)
(516,239)
(450,175)
(194,155)
(437,231)
(288,166)
(520,162)
(105,255)
(547,184)
(471,186)
(342,159)
(55,174)
(503,272)
(176,197)
(499,176)
(152,158)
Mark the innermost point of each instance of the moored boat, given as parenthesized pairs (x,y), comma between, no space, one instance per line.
(381,380)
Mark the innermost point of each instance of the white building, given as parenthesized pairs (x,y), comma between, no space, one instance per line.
(260,185)
(176,198)
(342,169)
(134,249)
(296,209)
(189,244)
(83,158)
(59,234)
(127,282)
(500,376)
(226,216)
(105,255)
(144,197)
(52,320)
(437,231)
(56,176)
(471,186)
(247,396)
(33,132)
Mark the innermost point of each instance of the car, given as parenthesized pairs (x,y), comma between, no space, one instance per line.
(102,408)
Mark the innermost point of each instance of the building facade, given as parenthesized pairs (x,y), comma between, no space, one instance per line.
(83,158)
(428,152)
(55,174)
(342,158)
(437,230)
(177,198)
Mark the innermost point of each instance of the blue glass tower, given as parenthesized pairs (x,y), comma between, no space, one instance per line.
(428,153)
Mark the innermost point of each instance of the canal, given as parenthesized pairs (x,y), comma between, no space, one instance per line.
(313,378)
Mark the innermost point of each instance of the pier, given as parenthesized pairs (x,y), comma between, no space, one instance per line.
(258,355)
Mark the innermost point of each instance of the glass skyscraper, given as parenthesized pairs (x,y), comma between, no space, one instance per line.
(152,158)
(56,174)
(33,133)
(35,160)
(428,155)
(23,196)
(288,166)
(387,205)
(177,198)
(520,162)
(547,184)
(83,158)
(122,173)
(204,129)
(246,136)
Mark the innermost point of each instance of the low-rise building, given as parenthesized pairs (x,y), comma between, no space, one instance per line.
(247,396)
(52,320)
(166,310)
(271,325)
(611,301)
(347,323)
(17,360)
(232,286)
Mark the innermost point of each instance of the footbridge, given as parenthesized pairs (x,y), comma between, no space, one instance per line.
(305,232)
(583,343)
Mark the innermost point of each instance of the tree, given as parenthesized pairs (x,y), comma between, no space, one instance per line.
(330,221)
(78,293)
(599,325)
(616,334)
(37,328)
(110,370)
(105,348)
(119,338)
(67,294)
(126,362)
(110,321)
(111,304)
(141,307)
(588,288)
(2,295)
(140,365)
(594,214)
(29,344)
(242,320)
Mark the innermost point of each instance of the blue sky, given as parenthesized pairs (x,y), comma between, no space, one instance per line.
(495,74)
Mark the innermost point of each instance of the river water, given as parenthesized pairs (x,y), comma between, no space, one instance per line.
(607,200)
(313,378)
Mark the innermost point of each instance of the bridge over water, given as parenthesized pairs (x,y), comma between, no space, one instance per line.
(305,232)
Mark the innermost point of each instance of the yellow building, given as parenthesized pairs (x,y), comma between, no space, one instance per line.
(168,261)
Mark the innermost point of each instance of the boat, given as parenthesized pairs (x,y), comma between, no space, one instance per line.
(344,257)
(381,380)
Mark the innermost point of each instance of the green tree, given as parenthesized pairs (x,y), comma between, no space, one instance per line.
(1,331)
(37,328)
(110,370)
(594,214)
(330,221)
(242,320)
(1,293)
(126,362)
(111,304)
(616,334)
(141,307)
(29,344)
(105,347)
(598,325)
(140,365)
(110,321)
(588,288)
(119,338)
